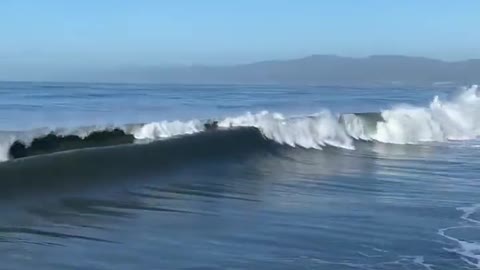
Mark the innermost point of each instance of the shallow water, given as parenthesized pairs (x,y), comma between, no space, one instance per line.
(232,200)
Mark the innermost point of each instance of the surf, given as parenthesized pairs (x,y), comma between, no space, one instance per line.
(457,118)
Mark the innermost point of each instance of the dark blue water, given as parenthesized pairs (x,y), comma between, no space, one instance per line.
(233,200)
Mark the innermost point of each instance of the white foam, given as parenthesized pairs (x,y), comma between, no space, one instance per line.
(418,260)
(166,129)
(468,211)
(314,131)
(469,250)
(356,127)
(457,119)
(5,143)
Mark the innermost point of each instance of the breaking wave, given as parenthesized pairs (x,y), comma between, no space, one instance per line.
(457,118)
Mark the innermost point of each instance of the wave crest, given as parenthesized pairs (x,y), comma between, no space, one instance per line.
(454,119)
(312,131)
(166,129)
(457,119)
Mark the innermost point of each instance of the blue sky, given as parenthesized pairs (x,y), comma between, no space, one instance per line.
(114,33)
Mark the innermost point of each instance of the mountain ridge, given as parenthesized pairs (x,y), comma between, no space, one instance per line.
(314,69)
(321,69)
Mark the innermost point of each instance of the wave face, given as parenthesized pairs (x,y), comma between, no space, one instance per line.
(124,160)
(58,143)
(442,120)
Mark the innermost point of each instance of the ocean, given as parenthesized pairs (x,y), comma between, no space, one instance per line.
(145,176)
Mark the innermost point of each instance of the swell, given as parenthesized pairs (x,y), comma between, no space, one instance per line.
(71,168)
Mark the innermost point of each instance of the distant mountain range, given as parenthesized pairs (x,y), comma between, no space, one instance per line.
(314,69)
(317,69)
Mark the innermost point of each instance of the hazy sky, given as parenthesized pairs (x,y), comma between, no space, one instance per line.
(112,33)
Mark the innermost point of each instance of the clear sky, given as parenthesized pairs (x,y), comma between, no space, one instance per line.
(114,33)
